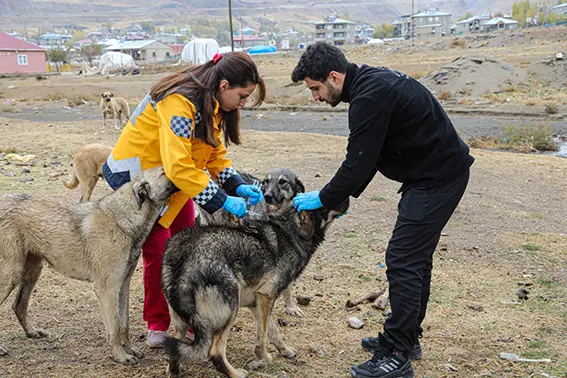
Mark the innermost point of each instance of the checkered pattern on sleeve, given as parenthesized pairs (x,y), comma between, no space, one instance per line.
(181,126)
(226,174)
(207,194)
(211,198)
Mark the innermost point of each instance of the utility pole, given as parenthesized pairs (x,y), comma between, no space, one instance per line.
(412,22)
(230,21)
(241,34)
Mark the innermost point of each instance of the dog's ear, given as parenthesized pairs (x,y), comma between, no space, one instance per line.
(102,95)
(306,227)
(111,95)
(141,192)
(300,188)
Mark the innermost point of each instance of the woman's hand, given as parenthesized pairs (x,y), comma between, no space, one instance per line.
(235,205)
(251,192)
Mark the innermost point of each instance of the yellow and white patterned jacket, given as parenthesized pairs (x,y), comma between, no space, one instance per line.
(162,133)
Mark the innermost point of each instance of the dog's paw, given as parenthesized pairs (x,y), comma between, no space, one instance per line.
(37,334)
(241,373)
(256,364)
(124,358)
(3,351)
(135,351)
(172,371)
(293,311)
(288,352)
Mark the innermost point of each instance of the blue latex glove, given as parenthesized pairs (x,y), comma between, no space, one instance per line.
(235,205)
(251,192)
(307,201)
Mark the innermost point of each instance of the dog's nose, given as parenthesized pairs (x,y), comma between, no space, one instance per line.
(269,199)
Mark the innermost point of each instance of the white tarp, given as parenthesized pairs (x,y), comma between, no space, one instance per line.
(115,62)
(199,51)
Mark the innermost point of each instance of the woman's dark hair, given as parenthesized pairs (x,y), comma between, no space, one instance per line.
(200,85)
(318,61)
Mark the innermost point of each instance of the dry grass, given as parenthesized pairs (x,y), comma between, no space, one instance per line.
(551,108)
(77,100)
(419,74)
(10,108)
(530,136)
(444,95)
(458,43)
(465,101)
(56,96)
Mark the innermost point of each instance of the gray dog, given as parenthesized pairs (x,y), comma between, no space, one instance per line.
(210,271)
(280,187)
(97,242)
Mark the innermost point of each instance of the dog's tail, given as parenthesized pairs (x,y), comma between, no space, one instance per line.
(209,309)
(73,181)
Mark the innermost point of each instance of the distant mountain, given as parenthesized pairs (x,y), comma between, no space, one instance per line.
(33,13)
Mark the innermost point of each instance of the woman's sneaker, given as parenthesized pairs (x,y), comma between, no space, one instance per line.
(371,344)
(156,339)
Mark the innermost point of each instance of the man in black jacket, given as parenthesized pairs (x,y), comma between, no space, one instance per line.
(398,128)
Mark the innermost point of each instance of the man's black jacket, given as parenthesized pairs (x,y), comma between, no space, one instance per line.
(396,127)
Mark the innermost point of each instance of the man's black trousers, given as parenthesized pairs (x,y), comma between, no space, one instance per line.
(422,214)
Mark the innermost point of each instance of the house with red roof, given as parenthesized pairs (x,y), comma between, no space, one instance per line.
(20,57)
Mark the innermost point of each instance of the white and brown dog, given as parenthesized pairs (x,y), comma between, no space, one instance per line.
(117,106)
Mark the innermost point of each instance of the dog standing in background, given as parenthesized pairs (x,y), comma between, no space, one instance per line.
(87,168)
(117,106)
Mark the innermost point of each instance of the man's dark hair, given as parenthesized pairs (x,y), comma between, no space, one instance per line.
(317,61)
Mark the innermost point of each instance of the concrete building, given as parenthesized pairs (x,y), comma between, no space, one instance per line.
(168,38)
(54,39)
(560,9)
(471,25)
(428,24)
(20,57)
(499,23)
(248,41)
(148,50)
(335,31)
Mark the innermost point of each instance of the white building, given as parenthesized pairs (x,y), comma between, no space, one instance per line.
(148,50)
(335,31)
(499,23)
(428,24)
(560,9)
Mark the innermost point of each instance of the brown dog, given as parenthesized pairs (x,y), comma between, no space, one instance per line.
(116,106)
(98,242)
(87,168)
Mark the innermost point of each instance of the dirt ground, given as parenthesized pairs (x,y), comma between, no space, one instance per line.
(508,231)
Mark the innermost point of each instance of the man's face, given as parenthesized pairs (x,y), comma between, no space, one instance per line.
(324,91)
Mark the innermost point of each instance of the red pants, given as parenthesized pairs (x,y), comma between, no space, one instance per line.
(156,312)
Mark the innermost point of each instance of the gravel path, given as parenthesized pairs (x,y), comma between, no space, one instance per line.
(337,124)
(318,123)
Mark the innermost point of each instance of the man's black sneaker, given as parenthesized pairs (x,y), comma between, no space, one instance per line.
(384,365)
(371,344)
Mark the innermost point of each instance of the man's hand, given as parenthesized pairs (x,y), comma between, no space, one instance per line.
(251,192)
(235,205)
(307,201)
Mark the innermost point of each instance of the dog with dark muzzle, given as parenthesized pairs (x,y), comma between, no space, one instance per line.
(280,186)
(209,272)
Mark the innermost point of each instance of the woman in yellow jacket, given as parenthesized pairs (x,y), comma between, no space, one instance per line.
(181,125)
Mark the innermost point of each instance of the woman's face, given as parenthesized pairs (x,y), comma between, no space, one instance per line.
(232,98)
